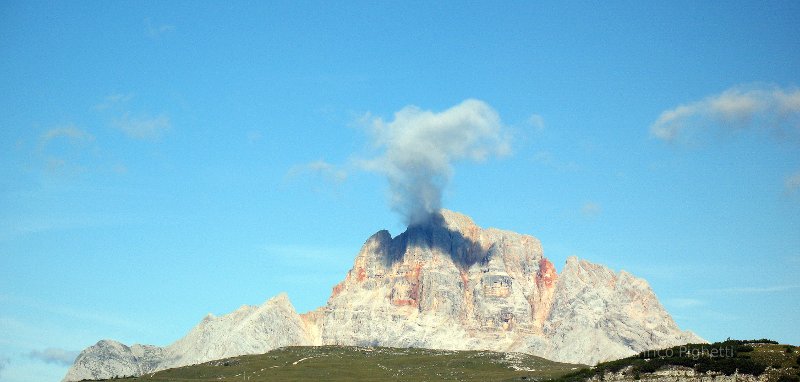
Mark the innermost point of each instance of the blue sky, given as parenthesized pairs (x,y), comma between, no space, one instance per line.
(164,160)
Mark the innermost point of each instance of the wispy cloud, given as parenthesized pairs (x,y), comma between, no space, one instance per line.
(680,303)
(54,165)
(547,158)
(144,128)
(591,209)
(769,108)
(85,314)
(536,121)
(156,30)
(60,149)
(792,183)
(3,362)
(55,356)
(321,168)
(773,108)
(114,100)
(757,289)
(254,136)
(70,133)
(13,227)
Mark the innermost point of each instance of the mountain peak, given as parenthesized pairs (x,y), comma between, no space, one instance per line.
(454,219)
(444,284)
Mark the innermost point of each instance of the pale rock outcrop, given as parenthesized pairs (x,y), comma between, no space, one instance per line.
(677,374)
(108,359)
(248,330)
(445,284)
(599,315)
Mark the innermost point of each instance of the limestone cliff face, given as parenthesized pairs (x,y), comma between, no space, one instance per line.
(248,330)
(445,284)
(597,315)
(451,284)
(108,359)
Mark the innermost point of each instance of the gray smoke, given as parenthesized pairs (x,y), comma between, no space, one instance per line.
(419,148)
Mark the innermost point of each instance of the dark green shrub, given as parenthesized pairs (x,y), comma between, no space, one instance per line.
(649,367)
(694,356)
(788,378)
(762,341)
(743,348)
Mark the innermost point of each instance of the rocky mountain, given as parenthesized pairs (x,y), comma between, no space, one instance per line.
(247,330)
(444,284)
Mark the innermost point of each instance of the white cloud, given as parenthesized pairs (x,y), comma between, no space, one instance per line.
(254,136)
(591,209)
(60,149)
(155,31)
(119,168)
(114,100)
(71,133)
(140,126)
(55,355)
(419,148)
(536,121)
(327,171)
(56,165)
(144,128)
(792,183)
(771,108)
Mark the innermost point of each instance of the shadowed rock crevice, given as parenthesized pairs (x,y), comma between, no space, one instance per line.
(434,234)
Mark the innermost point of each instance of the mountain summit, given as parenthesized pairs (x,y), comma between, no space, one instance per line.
(444,284)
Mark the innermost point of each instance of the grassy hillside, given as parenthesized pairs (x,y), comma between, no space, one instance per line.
(335,363)
(781,363)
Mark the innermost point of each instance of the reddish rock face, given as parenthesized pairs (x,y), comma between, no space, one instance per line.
(405,292)
(337,289)
(547,275)
(542,302)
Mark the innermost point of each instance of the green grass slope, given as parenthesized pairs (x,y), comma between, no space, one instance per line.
(344,363)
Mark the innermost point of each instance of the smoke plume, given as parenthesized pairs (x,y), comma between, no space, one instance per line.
(419,148)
